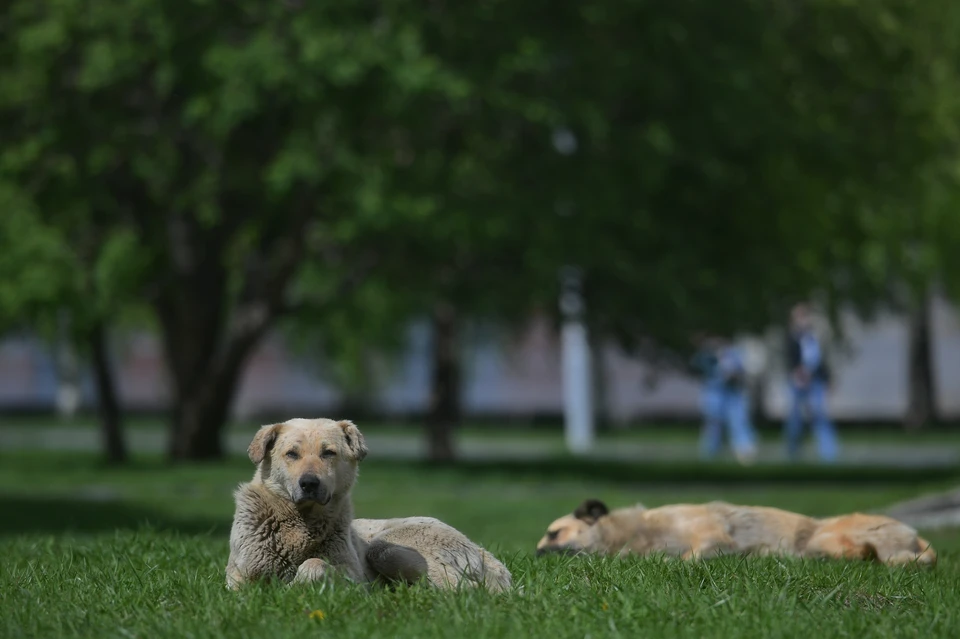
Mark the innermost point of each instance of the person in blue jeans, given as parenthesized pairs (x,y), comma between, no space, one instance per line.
(809,379)
(724,399)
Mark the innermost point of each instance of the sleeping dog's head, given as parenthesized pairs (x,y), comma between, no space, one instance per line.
(573,533)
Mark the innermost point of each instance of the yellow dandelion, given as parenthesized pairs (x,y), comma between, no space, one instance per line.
(318,615)
(604,606)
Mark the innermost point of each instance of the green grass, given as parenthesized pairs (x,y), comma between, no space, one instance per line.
(139,552)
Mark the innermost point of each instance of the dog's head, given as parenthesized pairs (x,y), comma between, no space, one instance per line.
(572,533)
(309,461)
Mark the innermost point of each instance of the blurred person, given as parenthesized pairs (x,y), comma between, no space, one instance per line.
(724,399)
(809,380)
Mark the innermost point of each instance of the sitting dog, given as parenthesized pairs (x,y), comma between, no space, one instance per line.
(294,520)
(691,531)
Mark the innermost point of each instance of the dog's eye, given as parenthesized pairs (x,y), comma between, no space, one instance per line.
(328,453)
(293,455)
(552,534)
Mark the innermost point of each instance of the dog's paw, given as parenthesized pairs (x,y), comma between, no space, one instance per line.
(312,569)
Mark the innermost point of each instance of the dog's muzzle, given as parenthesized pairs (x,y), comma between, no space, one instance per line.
(312,489)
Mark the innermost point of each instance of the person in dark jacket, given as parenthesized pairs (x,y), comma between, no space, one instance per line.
(724,399)
(809,380)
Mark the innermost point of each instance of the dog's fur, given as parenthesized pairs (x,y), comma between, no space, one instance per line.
(693,531)
(443,555)
(294,520)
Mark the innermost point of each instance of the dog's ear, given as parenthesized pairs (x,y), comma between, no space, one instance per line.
(262,442)
(354,440)
(591,510)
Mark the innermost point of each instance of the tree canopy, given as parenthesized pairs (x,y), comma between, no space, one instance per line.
(351,165)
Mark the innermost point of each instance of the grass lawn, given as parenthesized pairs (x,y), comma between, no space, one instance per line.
(139,552)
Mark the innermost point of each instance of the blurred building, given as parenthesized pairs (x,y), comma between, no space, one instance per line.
(512,376)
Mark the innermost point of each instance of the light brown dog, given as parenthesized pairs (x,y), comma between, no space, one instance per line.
(693,531)
(294,520)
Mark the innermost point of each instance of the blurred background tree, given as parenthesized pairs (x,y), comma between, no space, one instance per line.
(350,166)
(70,281)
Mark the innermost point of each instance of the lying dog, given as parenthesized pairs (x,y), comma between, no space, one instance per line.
(693,531)
(294,521)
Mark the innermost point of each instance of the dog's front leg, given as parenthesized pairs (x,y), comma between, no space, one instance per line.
(312,569)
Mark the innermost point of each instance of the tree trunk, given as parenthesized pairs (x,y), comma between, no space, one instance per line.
(199,418)
(204,392)
(111,427)
(444,412)
(922,405)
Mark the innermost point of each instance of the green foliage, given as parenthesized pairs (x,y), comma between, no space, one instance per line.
(754,154)
(729,158)
(35,261)
(196,153)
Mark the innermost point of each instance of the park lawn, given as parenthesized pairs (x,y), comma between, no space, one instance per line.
(548,434)
(139,552)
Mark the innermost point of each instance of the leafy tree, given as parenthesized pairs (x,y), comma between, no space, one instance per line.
(725,160)
(68,272)
(271,160)
(231,141)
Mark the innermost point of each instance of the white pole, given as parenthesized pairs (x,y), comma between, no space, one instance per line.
(577,404)
(575,348)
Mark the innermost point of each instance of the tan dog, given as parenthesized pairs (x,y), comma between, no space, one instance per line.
(693,531)
(294,521)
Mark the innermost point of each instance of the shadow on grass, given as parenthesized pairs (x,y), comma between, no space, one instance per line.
(57,515)
(674,473)
(559,468)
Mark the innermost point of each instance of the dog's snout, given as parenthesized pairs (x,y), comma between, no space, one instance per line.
(309,483)
(312,489)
